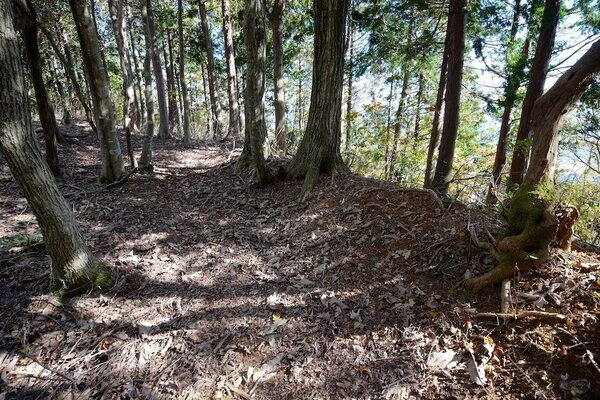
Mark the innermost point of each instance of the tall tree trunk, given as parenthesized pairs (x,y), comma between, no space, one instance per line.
(212,72)
(136,69)
(434,137)
(510,96)
(531,223)
(388,125)
(350,81)
(27,21)
(65,101)
(300,105)
(163,126)
(66,61)
(74,268)
(417,127)
(232,91)
(457,20)
(116,9)
(171,85)
(112,163)
(255,38)
(207,105)
(276,20)
(535,88)
(187,137)
(319,150)
(398,124)
(146,157)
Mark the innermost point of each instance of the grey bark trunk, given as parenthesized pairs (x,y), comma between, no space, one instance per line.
(319,150)
(163,126)
(350,81)
(187,137)
(211,71)
(457,20)
(112,163)
(276,19)
(232,90)
(74,268)
(116,9)
(398,124)
(146,157)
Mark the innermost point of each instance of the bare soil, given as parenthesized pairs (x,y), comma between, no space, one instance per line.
(230,290)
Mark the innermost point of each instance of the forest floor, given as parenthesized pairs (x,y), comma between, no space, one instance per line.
(231,291)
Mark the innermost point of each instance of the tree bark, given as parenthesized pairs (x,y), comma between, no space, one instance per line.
(74,268)
(27,21)
(398,124)
(116,9)
(276,20)
(457,21)
(211,71)
(187,137)
(163,126)
(350,81)
(207,104)
(112,163)
(232,91)
(531,223)
(171,85)
(434,137)
(535,88)
(319,150)
(146,157)
(255,38)
(135,70)
(417,127)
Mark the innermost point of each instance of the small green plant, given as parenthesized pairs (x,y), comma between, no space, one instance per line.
(21,240)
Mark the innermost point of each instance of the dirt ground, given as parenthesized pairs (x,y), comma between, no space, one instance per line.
(231,291)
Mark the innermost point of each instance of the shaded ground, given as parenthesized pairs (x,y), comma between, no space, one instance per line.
(227,290)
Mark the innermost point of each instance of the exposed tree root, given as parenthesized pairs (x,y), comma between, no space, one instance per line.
(524,314)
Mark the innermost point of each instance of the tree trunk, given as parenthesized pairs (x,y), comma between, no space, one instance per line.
(535,88)
(27,21)
(171,86)
(319,150)
(112,163)
(276,19)
(74,268)
(146,157)
(232,91)
(255,38)
(163,126)
(398,124)
(456,20)
(135,70)
(65,101)
(116,9)
(531,223)
(434,137)
(187,137)
(417,127)
(350,81)
(207,104)
(212,73)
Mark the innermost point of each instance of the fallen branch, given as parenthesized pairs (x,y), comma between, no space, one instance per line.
(122,180)
(523,314)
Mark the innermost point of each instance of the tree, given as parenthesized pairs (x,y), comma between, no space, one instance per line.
(187,137)
(116,8)
(212,72)
(163,126)
(275,17)
(112,163)
(146,157)
(232,91)
(531,223)
(456,21)
(27,22)
(319,150)
(535,88)
(255,38)
(74,268)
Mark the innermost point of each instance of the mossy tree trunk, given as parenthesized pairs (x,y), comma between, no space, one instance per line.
(319,150)
(112,162)
(74,268)
(531,223)
(255,38)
